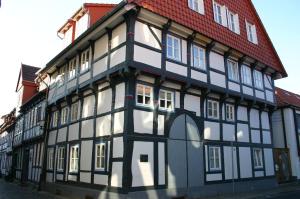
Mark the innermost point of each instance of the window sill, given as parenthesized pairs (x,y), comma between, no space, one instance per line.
(199,69)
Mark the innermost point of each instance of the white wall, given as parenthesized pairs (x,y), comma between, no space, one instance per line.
(143,121)
(245,162)
(211,130)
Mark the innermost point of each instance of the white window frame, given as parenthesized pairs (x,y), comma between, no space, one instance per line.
(196,5)
(214,109)
(55,119)
(233,71)
(74,160)
(171,50)
(61,76)
(85,61)
(258,158)
(251,33)
(258,79)
(64,115)
(165,94)
(215,159)
(60,158)
(198,59)
(217,13)
(144,96)
(231,21)
(74,111)
(246,75)
(72,69)
(230,112)
(50,158)
(100,156)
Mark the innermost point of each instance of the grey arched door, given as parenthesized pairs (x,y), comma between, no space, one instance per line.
(185,154)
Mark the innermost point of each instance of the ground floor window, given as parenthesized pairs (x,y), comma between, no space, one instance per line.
(214,154)
(74,158)
(60,158)
(50,153)
(258,159)
(100,156)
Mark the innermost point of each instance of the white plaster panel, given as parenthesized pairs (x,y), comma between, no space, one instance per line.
(72,178)
(228,132)
(87,128)
(177,99)
(117,56)
(198,76)
(161,124)
(259,174)
(100,66)
(161,163)
(116,174)
(260,94)
(217,79)
(86,150)
(265,122)
(143,122)
(101,46)
(171,85)
(71,84)
(176,68)
(234,86)
(192,103)
(147,56)
(119,122)
(85,77)
(104,101)
(73,132)
(52,138)
(269,96)
(269,162)
(242,113)
(142,172)
(103,126)
(211,130)
(145,78)
(120,95)
(255,136)
(144,35)
(254,118)
(62,135)
(245,162)
(88,106)
(213,177)
(118,147)
(267,137)
(247,90)
(230,163)
(243,132)
(118,35)
(101,179)
(103,85)
(85,177)
(49,177)
(217,61)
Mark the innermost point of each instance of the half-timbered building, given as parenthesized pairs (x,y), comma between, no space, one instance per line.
(163,98)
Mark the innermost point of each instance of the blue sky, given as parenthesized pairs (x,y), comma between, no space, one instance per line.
(28,35)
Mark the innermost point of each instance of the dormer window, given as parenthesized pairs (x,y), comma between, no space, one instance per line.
(218,13)
(197,5)
(85,58)
(251,33)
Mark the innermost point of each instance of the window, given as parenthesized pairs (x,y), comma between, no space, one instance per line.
(251,33)
(39,114)
(258,82)
(197,5)
(60,158)
(233,71)
(144,95)
(257,157)
(64,116)
(229,112)
(74,157)
(50,153)
(213,109)
(85,57)
(100,156)
(173,48)
(214,158)
(218,13)
(231,21)
(298,122)
(198,57)
(166,100)
(72,69)
(246,75)
(74,112)
(61,76)
(54,118)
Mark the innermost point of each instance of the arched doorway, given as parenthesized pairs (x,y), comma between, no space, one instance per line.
(185,155)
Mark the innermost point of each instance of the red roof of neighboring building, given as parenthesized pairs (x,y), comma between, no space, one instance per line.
(286,98)
(178,11)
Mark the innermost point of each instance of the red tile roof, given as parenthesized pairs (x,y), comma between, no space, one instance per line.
(286,98)
(178,11)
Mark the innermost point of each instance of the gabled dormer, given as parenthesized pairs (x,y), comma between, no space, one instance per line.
(83,18)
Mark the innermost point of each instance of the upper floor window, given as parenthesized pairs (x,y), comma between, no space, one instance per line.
(74,111)
(54,118)
(39,114)
(61,76)
(64,116)
(233,22)
(60,158)
(251,33)
(246,75)
(229,112)
(100,156)
(72,69)
(218,13)
(173,48)
(258,159)
(50,162)
(74,158)
(144,95)
(214,158)
(85,61)
(166,101)
(197,5)
(198,57)
(258,80)
(212,109)
(233,70)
